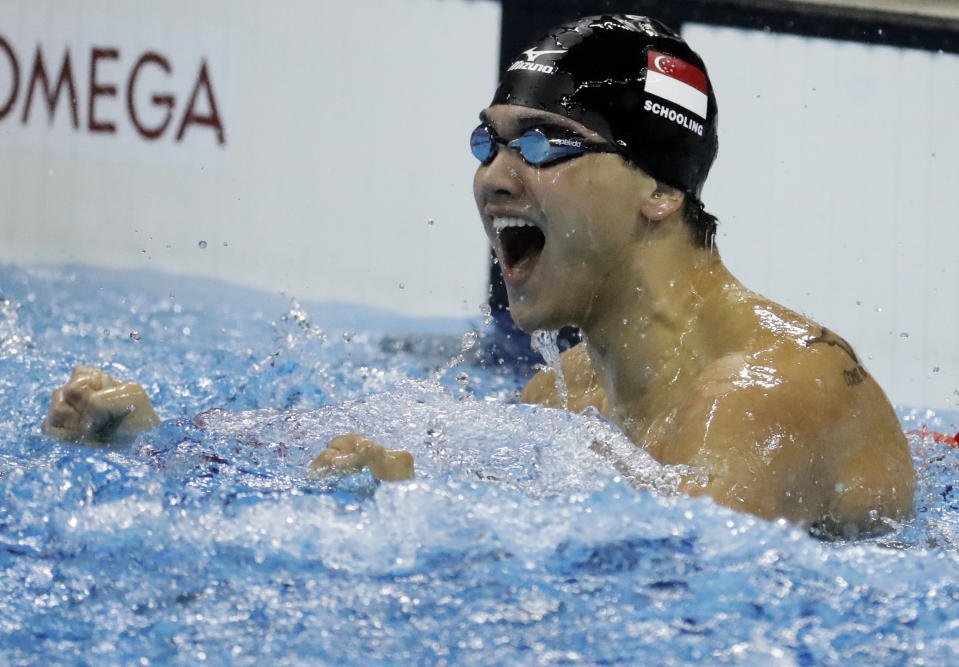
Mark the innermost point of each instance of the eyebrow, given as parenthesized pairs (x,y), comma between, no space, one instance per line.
(523,123)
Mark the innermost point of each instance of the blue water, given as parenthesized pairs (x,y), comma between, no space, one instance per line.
(204,542)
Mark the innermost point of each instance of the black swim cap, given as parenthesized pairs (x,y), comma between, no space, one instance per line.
(632,80)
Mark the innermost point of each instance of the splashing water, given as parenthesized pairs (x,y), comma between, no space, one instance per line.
(515,544)
(544,342)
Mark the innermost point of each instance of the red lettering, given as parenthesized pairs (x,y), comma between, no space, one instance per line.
(166,100)
(40,74)
(191,118)
(98,90)
(150,120)
(15,71)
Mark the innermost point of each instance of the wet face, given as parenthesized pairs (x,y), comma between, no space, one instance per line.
(562,232)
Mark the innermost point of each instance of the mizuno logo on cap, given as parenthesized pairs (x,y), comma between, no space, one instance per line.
(533,54)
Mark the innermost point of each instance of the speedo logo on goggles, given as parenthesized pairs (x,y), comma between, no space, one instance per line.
(534,146)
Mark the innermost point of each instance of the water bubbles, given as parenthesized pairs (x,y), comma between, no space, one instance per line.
(468,341)
(487,314)
(201,245)
(135,336)
(544,342)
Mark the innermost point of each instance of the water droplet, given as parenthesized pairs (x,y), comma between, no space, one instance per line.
(859,303)
(487,314)
(672,283)
(878,309)
(430,221)
(348,336)
(625,321)
(401,285)
(185,331)
(226,244)
(462,377)
(544,342)
(135,336)
(106,332)
(468,341)
(903,334)
(201,245)
(935,369)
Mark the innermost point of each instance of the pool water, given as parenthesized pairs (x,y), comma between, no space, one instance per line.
(204,541)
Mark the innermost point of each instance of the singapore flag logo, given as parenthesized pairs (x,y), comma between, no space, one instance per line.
(677,81)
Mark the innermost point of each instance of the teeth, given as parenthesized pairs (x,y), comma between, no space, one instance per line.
(499,224)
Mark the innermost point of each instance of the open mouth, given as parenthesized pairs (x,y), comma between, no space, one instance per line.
(521,242)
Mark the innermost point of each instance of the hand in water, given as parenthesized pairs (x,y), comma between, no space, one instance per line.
(351,453)
(95,409)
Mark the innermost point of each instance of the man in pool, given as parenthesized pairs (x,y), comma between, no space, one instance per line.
(592,156)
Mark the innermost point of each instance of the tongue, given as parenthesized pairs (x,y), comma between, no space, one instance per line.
(518,269)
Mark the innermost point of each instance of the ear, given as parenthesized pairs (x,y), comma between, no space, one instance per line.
(662,202)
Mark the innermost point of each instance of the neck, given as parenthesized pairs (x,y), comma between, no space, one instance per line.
(653,335)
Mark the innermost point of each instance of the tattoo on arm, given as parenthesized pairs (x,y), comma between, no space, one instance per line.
(853,376)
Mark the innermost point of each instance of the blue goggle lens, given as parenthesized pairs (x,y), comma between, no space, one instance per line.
(534,146)
(482,144)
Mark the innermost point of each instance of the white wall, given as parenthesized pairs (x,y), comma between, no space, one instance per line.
(835,187)
(344,133)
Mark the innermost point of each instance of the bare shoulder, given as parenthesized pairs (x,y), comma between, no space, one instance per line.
(582,384)
(795,426)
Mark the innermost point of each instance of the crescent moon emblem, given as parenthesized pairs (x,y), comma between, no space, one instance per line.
(659,65)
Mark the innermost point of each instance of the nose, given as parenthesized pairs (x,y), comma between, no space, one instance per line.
(499,180)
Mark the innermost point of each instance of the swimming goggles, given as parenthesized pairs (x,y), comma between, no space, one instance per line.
(534,146)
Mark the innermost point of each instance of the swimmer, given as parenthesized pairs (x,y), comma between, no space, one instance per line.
(592,158)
